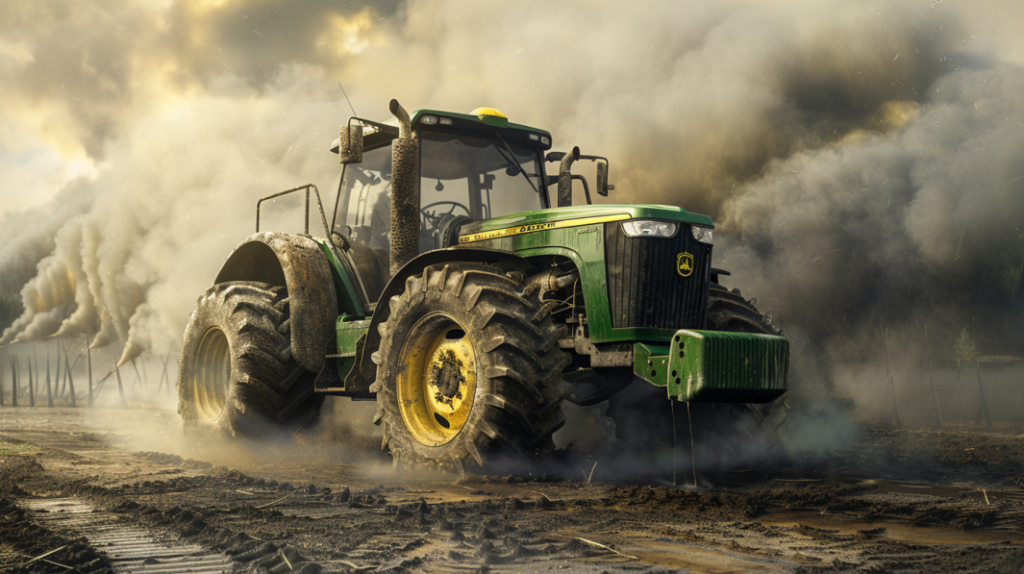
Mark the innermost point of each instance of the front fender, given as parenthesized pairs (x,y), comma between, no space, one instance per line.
(298,263)
(364,373)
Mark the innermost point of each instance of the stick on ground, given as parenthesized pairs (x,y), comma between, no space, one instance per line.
(276,501)
(356,567)
(41,556)
(609,548)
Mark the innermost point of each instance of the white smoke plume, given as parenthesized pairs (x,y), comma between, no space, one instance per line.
(174,193)
(861,159)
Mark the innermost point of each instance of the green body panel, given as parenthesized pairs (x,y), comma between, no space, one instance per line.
(641,211)
(344,286)
(716,366)
(348,330)
(348,327)
(584,245)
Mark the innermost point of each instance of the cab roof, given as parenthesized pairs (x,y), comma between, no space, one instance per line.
(480,120)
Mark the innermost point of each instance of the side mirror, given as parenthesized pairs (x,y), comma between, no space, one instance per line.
(350,145)
(602,178)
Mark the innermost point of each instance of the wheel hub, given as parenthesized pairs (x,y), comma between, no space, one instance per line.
(212,373)
(446,377)
(437,387)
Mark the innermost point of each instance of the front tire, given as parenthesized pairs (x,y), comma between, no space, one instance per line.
(730,311)
(469,369)
(236,373)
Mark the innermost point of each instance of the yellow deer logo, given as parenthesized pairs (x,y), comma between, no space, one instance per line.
(684,264)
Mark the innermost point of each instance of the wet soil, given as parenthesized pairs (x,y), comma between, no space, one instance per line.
(887,500)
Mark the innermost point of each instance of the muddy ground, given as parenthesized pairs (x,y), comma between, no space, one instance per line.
(123,490)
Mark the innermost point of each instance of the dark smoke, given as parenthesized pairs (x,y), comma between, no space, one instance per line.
(921,225)
(863,160)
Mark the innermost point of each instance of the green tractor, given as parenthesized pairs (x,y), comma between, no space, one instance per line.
(452,290)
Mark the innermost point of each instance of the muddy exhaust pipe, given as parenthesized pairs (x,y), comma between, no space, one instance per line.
(565,177)
(405,191)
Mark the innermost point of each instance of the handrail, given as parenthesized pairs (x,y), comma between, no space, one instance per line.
(327,232)
(320,205)
(323,218)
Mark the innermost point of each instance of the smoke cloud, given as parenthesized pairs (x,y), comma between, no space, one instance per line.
(862,160)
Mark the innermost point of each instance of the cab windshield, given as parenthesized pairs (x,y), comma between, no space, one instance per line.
(461,177)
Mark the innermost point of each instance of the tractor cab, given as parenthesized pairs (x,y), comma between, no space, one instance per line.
(472,167)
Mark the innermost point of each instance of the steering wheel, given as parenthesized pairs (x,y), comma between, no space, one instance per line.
(431,220)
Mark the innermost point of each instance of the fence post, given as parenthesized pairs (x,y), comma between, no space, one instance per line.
(897,419)
(14,381)
(982,404)
(49,388)
(31,387)
(88,357)
(71,380)
(120,387)
(931,373)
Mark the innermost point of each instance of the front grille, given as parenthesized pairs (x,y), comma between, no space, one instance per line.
(644,288)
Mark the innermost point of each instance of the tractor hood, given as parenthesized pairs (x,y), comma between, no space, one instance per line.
(572,216)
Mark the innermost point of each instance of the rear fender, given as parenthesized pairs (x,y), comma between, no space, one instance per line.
(298,263)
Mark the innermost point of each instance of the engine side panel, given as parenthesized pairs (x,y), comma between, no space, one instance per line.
(579,234)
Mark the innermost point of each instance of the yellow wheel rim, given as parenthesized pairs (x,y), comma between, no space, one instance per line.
(437,385)
(212,373)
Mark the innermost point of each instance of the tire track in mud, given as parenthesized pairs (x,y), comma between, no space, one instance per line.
(27,547)
(884,517)
(128,548)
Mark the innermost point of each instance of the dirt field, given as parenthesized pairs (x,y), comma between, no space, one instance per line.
(122,490)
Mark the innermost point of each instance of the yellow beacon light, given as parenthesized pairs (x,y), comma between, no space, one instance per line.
(491,117)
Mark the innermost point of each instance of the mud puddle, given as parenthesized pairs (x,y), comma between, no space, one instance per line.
(812,524)
(670,551)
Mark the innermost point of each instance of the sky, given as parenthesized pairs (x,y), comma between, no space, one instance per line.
(862,160)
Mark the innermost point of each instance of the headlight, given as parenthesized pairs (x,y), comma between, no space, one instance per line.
(702,234)
(649,228)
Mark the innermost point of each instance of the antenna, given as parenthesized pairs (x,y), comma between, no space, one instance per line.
(346,99)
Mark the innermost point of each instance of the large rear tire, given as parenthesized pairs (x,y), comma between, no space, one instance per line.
(236,374)
(469,370)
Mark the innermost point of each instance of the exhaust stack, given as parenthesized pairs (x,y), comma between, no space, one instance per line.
(405,191)
(565,177)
